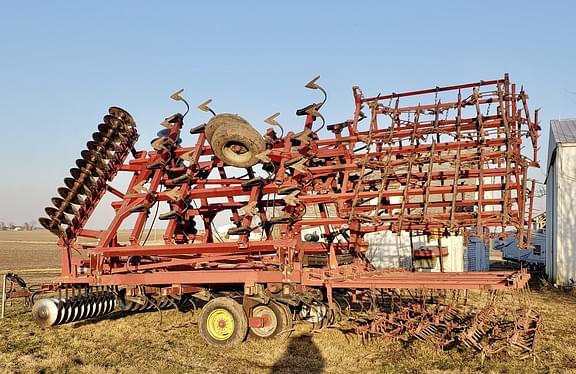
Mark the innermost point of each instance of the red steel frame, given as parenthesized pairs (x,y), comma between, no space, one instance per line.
(429,161)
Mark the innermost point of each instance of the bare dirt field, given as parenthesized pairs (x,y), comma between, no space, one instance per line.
(170,342)
(31,254)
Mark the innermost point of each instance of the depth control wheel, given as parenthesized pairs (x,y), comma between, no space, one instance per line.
(223,322)
(279,319)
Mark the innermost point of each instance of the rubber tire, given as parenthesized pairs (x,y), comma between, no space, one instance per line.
(283,318)
(277,314)
(240,321)
(289,318)
(223,120)
(237,133)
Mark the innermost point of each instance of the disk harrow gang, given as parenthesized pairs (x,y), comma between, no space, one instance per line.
(263,228)
(99,164)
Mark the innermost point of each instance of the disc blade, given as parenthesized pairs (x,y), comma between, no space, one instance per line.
(57,216)
(89,168)
(113,133)
(51,212)
(93,158)
(104,128)
(83,188)
(69,195)
(50,225)
(99,138)
(123,115)
(63,192)
(77,173)
(65,206)
(83,176)
(115,123)
(100,148)
(45,312)
(93,155)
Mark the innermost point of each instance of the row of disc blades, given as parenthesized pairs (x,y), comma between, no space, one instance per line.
(131,306)
(57,311)
(106,151)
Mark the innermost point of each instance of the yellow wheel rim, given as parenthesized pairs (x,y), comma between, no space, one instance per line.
(220,324)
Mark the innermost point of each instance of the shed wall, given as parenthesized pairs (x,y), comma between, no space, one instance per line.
(566,215)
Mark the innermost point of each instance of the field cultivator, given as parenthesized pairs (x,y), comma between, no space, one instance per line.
(298,207)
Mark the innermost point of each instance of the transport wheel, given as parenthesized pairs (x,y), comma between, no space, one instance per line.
(237,144)
(223,322)
(274,316)
(289,319)
(280,316)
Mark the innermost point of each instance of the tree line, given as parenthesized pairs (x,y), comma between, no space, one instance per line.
(11,226)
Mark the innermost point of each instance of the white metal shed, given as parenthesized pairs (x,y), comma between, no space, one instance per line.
(561,203)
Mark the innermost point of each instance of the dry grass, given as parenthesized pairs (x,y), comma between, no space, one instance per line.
(149,342)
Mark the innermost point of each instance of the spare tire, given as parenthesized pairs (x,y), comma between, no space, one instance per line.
(235,142)
(224,119)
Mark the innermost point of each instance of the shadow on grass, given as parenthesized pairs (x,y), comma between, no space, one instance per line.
(301,356)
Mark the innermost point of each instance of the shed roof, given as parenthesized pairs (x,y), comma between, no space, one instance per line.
(564,130)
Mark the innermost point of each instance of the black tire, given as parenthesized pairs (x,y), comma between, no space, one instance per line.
(281,320)
(237,144)
(223,322)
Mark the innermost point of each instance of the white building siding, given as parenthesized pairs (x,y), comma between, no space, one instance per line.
(388,250)
(561,211)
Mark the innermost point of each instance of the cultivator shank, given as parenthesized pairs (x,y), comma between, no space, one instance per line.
(296,206)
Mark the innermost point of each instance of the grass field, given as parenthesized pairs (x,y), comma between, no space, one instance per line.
(170,342)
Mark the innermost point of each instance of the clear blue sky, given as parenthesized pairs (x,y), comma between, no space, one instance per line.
(63,63)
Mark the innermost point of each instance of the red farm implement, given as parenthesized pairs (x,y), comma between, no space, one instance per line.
(434,161)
